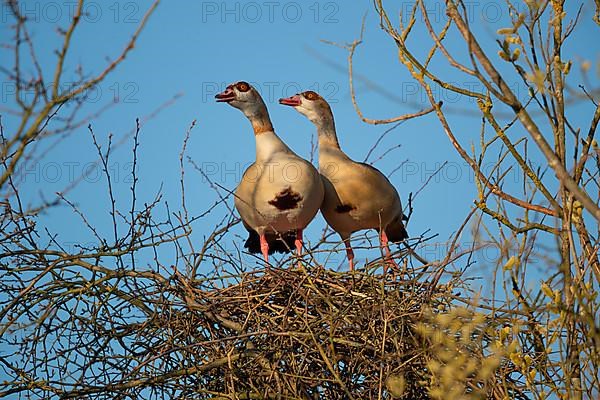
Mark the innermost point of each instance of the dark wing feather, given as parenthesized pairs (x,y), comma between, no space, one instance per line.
(283,244)
(395,231)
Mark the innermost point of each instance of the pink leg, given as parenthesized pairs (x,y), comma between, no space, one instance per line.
(298,243)
(389,261)
(349,253)
(264,247)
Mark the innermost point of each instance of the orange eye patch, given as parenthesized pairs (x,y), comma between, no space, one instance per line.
(310,95)
(242,86)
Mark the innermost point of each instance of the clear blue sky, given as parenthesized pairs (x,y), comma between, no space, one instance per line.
(196,48)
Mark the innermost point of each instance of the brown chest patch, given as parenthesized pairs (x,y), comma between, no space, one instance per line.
(287,199)
(344,208)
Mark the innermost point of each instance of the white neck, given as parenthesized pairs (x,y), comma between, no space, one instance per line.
(267,144)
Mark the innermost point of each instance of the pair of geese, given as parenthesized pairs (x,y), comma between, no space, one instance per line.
(281,192)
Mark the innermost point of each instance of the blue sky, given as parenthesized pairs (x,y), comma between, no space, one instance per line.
(196,48)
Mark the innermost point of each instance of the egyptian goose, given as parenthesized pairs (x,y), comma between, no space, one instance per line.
(357,195)
(280,193)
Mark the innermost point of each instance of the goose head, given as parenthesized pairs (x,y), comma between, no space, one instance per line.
(242,96)
(246,98)
(311,105)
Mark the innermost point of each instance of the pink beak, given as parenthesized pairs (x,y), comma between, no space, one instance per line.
(293,101)
(226,96)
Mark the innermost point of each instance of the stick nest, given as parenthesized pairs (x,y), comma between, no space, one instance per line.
(297,334)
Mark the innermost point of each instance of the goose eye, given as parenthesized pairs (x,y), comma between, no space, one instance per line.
(243,87)
(310,95)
